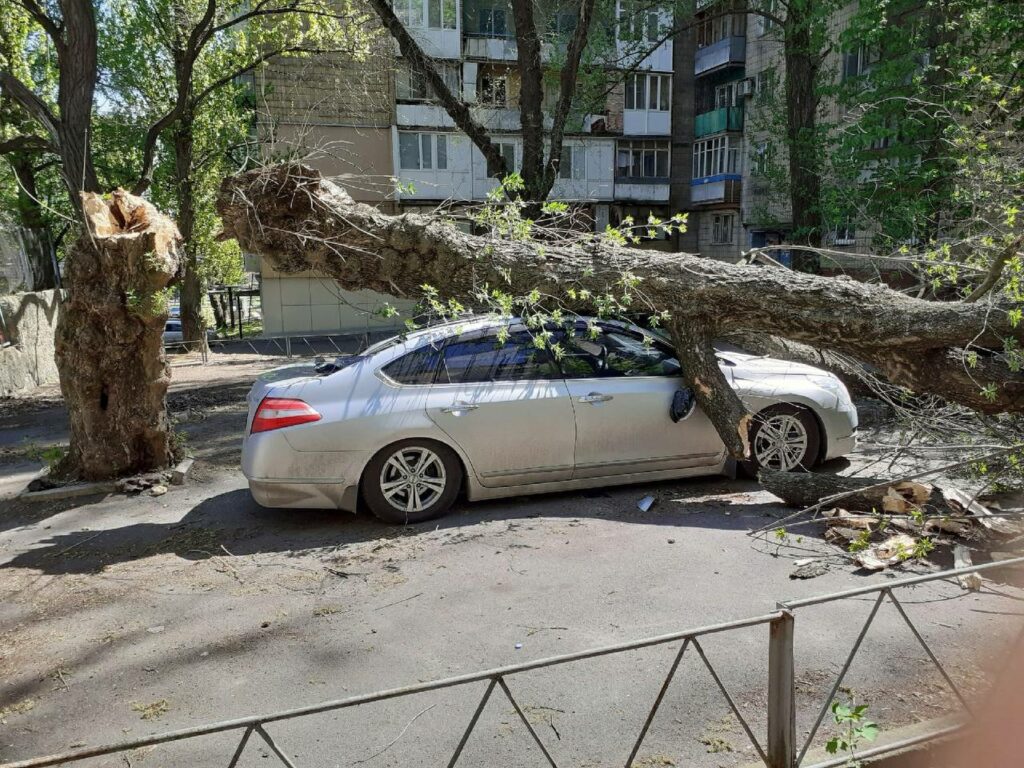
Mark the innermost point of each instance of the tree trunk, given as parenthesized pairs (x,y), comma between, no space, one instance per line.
(193,329)
(113,372)
(299,221)
(802,65)
(531,102)
(77,61)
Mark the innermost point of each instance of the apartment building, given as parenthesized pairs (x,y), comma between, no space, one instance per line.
(614,164)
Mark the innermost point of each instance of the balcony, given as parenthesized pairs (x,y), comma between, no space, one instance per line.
(715,190)
(490,47)
(727,52)
(718,121)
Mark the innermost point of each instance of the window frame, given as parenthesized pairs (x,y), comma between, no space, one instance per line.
(424,139)
(484,333)
(495,81)
(404,10)
(510,162)
(723,229)
(717,156)
(636,334)
(641,151)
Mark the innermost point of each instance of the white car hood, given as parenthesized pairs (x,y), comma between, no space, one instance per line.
(744,366)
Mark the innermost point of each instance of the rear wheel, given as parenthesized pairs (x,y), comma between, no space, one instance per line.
(411,481)
(783,438)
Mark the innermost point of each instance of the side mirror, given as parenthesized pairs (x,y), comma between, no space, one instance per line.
(683,404)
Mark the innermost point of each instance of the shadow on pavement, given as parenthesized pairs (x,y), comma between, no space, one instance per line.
(232,523)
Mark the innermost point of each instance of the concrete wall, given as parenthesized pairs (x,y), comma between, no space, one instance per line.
(28,362)
(310,304)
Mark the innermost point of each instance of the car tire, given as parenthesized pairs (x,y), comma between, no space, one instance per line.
(783,437)
(411,481)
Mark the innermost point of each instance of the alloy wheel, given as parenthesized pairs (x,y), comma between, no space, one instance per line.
(413,479)
(781,442)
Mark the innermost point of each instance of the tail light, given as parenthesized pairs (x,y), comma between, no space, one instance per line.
(277,412)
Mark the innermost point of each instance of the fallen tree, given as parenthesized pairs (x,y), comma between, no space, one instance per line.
(301,221)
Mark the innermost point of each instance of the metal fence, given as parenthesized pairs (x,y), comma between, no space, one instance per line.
(780,749)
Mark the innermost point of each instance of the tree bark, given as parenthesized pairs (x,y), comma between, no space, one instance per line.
(193,329)
(299,221)
(531,100)
(801,86)
(113,372)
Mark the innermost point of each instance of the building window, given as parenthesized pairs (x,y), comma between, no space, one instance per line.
(652,92)
(638,21)
(572,163)
(422,151)
(727,94)
(722,228)
(765,24)
(642,159)
(439,14)
(761,159)
(764,82)
(411,85)
(563,23)
(859,62)
(492,22)
(718,23)
(508,152)
(716,156)
(494,90)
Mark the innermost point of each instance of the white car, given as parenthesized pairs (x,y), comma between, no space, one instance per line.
(476,406)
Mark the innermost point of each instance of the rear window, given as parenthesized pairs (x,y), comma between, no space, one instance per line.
(416,367)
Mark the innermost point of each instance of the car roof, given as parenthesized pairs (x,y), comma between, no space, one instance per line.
(468,324)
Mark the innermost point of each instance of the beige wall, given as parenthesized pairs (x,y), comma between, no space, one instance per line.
(31,319)
(357,158)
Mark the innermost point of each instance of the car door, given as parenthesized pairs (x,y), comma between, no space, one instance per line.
(622,385)
(503,400)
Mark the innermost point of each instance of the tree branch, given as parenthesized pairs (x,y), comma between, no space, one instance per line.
(996,270)
(26,143)
(567,81)
(457,109)
(32,104)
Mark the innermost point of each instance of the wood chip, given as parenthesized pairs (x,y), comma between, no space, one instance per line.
(962,559)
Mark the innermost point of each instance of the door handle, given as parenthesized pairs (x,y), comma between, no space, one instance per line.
(594,397)
(460,406)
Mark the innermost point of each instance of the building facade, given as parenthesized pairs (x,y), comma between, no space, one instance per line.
(684,128)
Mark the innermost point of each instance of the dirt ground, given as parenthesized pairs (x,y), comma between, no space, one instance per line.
(122,616)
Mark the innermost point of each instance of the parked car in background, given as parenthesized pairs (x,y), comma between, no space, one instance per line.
(476,406)
(173,334)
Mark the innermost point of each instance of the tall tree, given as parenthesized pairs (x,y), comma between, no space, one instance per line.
(179,62)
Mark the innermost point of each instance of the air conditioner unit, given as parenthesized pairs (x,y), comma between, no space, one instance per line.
(746,87)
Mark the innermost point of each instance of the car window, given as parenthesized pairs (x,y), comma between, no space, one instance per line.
(417,367)
(615,353)
(173,327)
(474,358)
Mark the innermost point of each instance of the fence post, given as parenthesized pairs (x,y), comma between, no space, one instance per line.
(781,700)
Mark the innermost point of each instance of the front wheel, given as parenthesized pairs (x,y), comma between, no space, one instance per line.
(412,481)
(783,438)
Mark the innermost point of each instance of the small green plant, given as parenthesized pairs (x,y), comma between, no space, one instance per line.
(853,730)
(862,542)
(53,456)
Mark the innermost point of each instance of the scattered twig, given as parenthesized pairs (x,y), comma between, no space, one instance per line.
(81,541)
(394,740)
(397,602)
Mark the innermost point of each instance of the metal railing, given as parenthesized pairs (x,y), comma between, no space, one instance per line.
(779,751)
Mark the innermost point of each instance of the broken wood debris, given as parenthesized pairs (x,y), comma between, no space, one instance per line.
(884,523)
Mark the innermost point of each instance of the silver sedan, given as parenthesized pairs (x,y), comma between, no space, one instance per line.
(479,407)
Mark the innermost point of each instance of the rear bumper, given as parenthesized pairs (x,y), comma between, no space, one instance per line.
(280,476)
(286,494)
